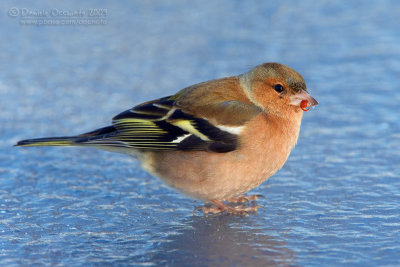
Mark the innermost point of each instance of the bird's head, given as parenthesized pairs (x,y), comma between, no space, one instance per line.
(277,89)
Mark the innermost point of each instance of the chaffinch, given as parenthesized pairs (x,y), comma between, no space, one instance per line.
(214,140)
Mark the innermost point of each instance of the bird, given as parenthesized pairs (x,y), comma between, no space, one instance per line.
(213,141)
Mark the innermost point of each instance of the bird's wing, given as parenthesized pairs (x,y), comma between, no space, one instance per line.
(162,124)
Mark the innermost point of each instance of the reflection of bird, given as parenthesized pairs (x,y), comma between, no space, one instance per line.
(218,241)
(213,141)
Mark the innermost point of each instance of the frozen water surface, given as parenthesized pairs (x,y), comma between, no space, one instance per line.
(335,202)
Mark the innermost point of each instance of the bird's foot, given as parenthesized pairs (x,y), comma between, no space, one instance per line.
(243,198)
(221,207)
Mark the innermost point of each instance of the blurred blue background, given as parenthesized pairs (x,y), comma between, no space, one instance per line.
(335,202)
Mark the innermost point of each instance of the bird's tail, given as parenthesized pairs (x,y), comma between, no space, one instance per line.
(96,137)
(49,141)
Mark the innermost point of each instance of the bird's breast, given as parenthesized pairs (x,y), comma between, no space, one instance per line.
(264,147)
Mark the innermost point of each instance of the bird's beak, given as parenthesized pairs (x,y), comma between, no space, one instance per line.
(303,100)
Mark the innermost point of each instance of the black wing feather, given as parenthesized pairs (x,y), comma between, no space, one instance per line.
(154,125)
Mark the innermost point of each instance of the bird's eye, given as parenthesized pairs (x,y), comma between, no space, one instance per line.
(279,88)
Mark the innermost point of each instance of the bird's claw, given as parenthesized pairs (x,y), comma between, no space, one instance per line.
(220,207)
(244,199)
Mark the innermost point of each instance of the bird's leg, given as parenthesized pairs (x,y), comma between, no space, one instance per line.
(222,207)
(218,208)
(244,199)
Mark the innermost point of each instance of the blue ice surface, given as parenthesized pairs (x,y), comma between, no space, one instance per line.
(335,202)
